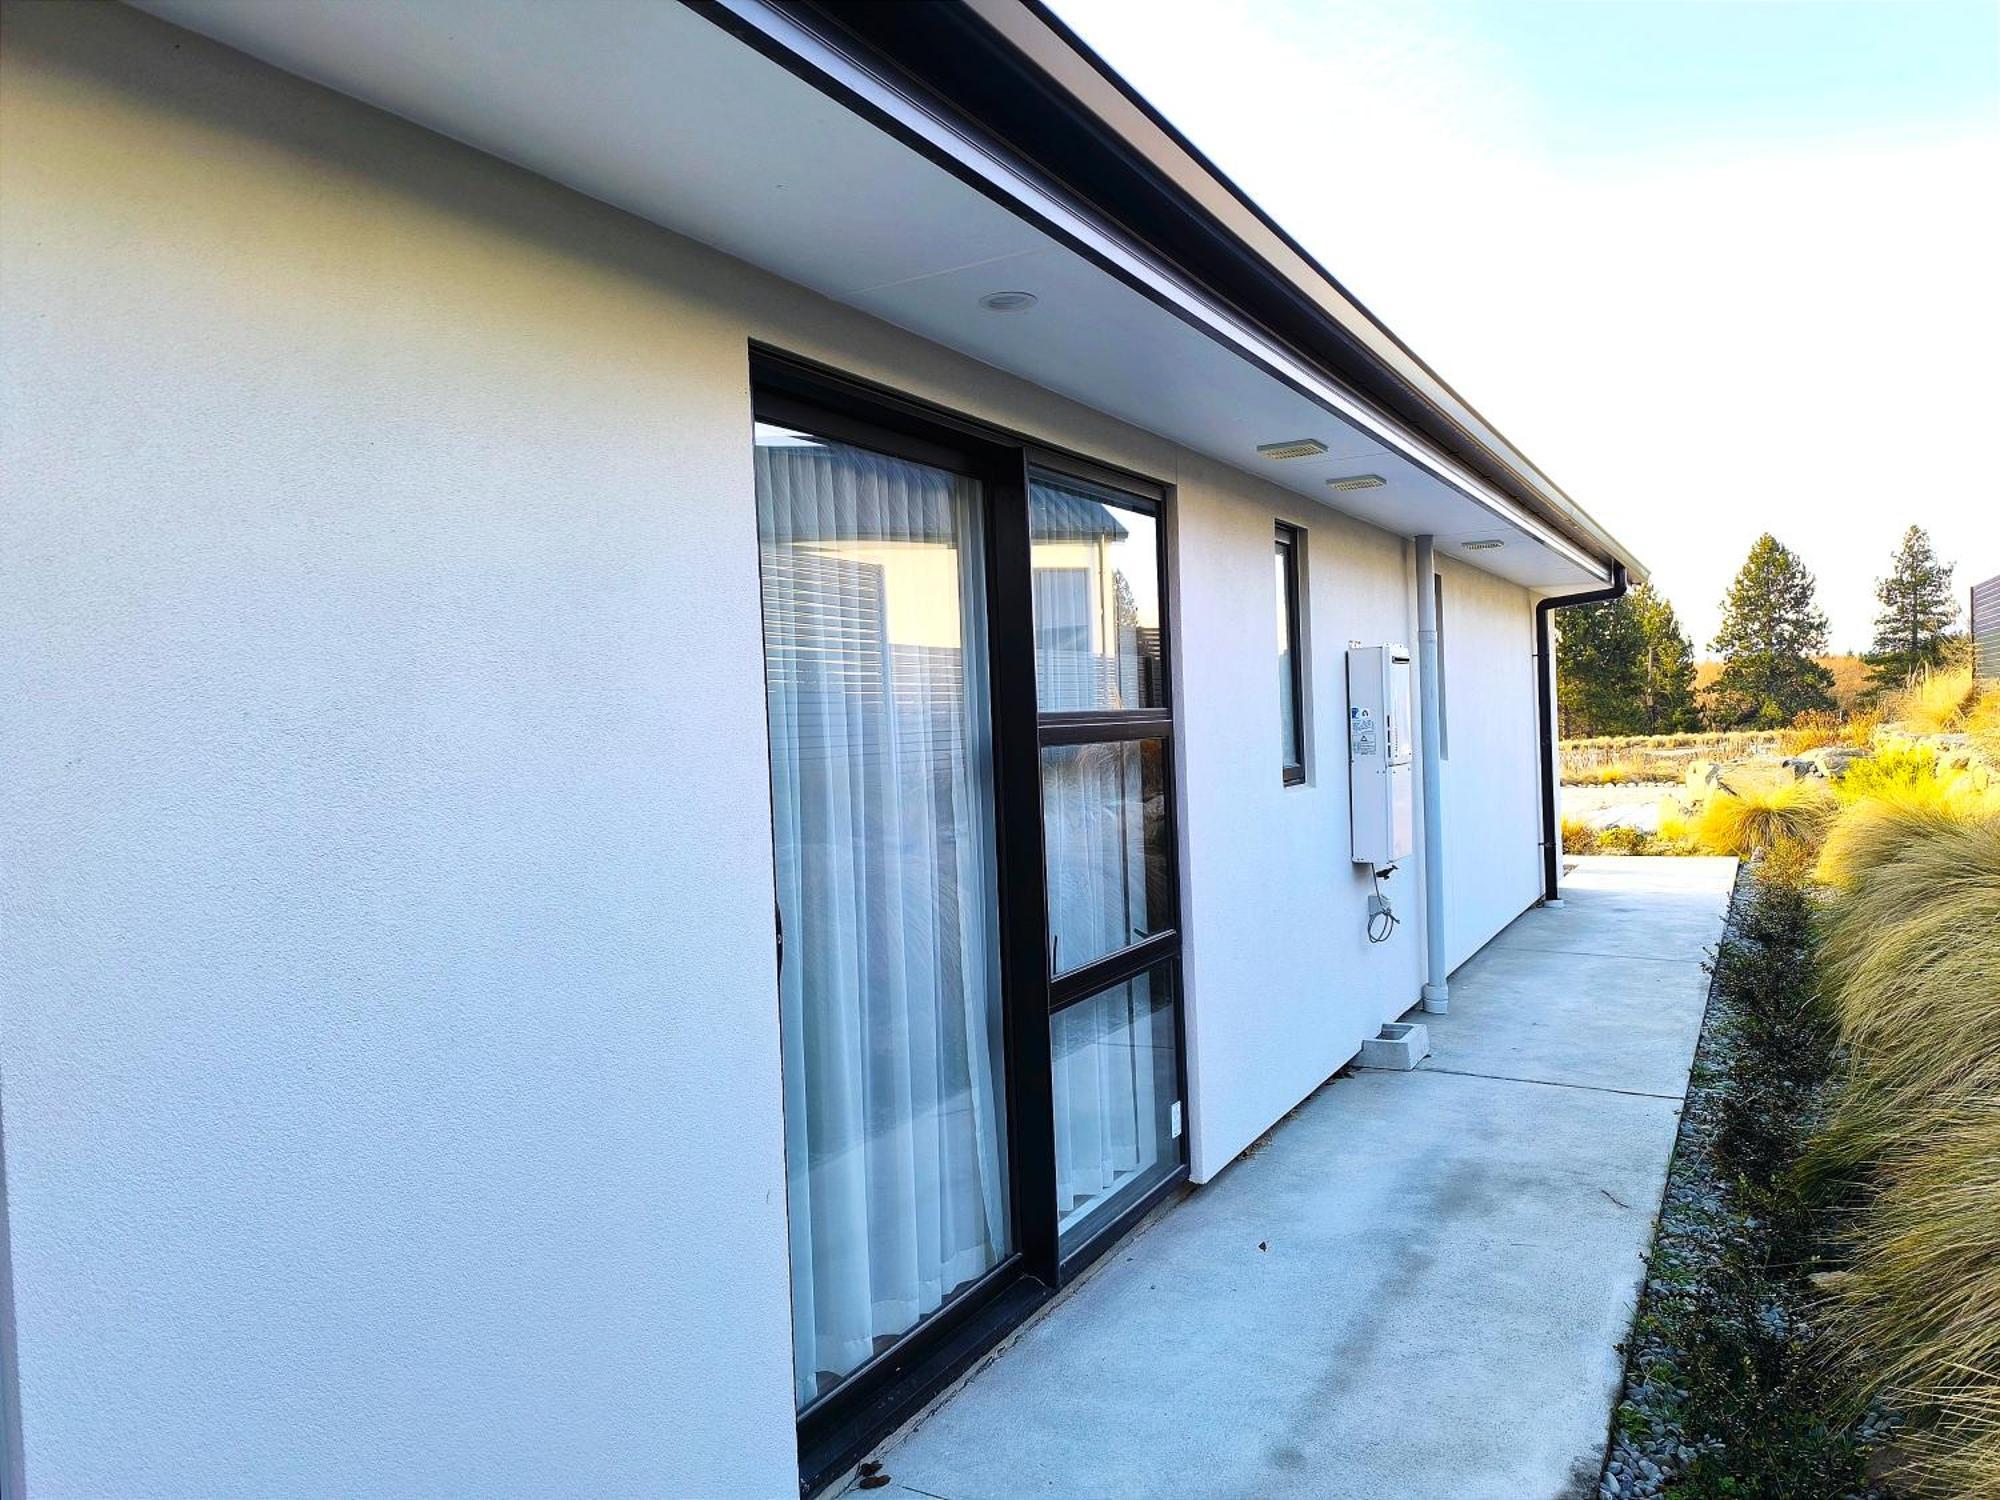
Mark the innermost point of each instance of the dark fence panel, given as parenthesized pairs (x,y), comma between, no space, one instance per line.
(1986,628)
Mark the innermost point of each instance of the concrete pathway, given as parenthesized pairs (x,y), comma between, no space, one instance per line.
(1452,1254)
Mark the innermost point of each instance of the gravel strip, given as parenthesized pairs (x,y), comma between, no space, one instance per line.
(1648,1449)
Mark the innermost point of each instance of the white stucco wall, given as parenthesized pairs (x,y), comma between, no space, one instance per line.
(390,1054)
(389,1062)
(1285,983)
(1491,807)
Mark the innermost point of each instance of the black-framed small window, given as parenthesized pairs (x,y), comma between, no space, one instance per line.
(1290,542)
(1444,713)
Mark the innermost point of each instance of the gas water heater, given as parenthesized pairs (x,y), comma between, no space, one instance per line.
(1381,733)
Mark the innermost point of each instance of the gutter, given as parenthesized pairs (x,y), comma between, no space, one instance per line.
(1545,715)
(1300,293)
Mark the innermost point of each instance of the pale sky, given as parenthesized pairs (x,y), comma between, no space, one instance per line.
(1716,266)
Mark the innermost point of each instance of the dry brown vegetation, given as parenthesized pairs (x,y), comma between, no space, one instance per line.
(1850,680)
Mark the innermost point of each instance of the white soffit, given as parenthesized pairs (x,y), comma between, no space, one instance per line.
(652,108)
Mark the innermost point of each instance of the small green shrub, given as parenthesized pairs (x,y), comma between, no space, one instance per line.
(1618,839)
(1768,971)
(1763,1396)
(1910,767)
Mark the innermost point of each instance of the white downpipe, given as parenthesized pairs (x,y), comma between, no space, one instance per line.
(1437,993)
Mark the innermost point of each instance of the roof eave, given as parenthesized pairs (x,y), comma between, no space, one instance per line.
(1010,71)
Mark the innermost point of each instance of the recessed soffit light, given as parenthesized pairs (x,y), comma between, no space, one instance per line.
(1486,545)
(1008,301)
(1293,448)
(1357,482)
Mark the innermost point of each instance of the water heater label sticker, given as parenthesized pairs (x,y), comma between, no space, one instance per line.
(1360,732)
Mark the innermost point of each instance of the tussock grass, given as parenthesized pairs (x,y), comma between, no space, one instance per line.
(1815,728)
(1959,1454)
(1982,722)
(1720,739)
(1809,731)
(1910,956)
(1760,819)
(1880,826)
(1921,1308)
(1676,825)
(1936,702)
(1919,928)
(1579,837)
(1627,772)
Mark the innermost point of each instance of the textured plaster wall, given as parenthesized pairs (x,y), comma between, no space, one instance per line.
(388,1056)
(1286,985)
(390,1053)
(1492,818)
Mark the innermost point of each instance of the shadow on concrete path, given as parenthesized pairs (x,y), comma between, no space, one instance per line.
(1453,1254)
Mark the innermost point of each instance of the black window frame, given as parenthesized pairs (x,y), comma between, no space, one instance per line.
(839,1427)
(1162,946)
(1290,541)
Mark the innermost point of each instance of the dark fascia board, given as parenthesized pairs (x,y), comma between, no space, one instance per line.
(1199,178)
(999,67)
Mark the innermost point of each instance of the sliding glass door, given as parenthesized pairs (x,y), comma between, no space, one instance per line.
(977,902)
(875,621)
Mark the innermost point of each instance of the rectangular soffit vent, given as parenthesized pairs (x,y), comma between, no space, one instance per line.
(1294,448)
(1357,482)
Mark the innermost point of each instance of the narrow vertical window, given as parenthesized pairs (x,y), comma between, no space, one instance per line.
(1291,671)
(1444,713)
(1107,848)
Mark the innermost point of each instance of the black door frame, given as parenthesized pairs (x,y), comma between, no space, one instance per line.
(837,1429)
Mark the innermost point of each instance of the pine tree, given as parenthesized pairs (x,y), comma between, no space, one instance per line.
(1625,666)
(1771,631)
(1913,631)
(1600,651)
(1666,668)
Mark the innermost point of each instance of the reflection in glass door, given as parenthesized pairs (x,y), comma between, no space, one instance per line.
(972,766)
(1106,733)
(875,640)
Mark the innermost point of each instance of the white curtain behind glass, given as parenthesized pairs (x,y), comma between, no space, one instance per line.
(1094,831)
(1089,655)
(1113,1074)
(875,653)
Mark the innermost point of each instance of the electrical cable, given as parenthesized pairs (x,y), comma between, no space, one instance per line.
(1382,918)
